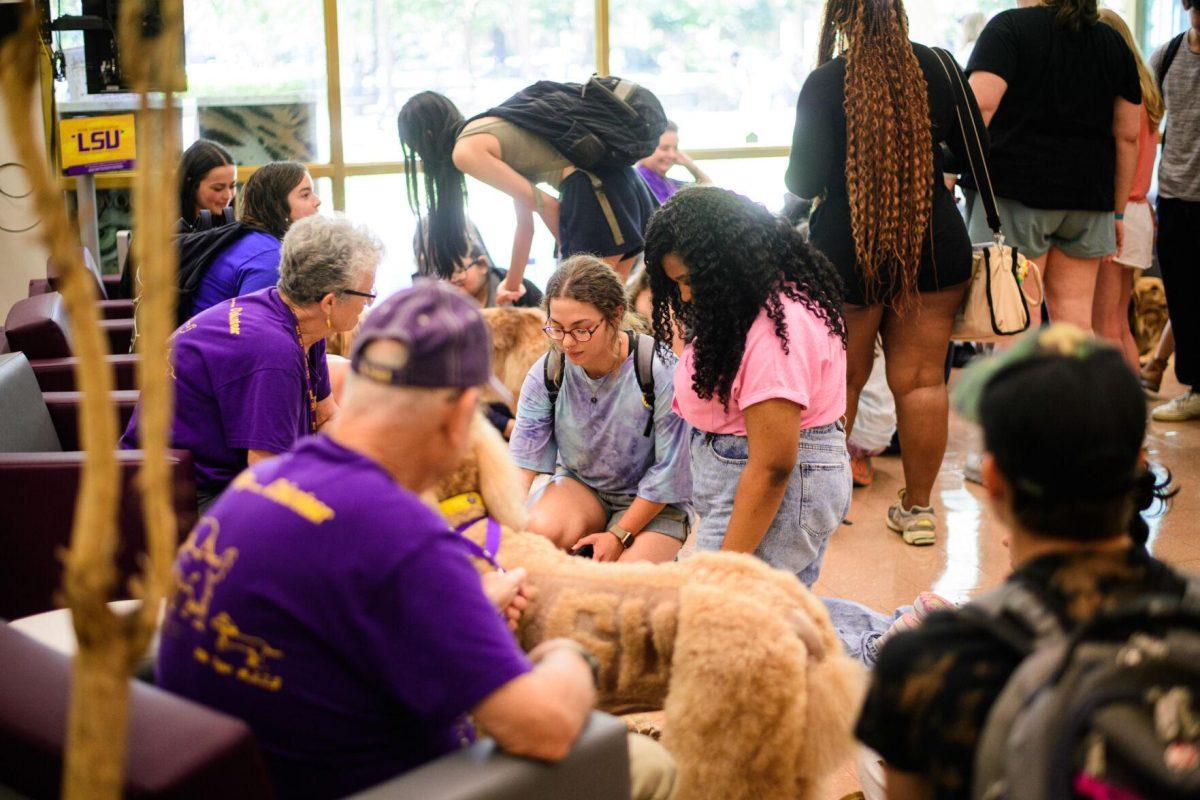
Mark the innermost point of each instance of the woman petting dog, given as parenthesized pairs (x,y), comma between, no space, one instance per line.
(762,379)
(621,482)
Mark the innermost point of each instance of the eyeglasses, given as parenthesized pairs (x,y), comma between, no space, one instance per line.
(461,272)
(580,335)
(369,295)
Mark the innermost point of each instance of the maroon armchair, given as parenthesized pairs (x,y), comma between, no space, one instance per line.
(58,374)
(106,287)
(176,748)
(39,327)
(39,484)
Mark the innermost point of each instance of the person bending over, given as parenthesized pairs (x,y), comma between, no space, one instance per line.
(513,160)
(250,374)
(326,605)
(1063,421)
(621,481)
(276,195)
(762,379)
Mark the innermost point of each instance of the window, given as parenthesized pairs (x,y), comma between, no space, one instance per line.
(476,53)
(727,73)
(261,96)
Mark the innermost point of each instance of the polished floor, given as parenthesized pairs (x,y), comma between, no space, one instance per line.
(868,563)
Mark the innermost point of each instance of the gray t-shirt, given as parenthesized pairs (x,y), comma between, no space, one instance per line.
(1179,170)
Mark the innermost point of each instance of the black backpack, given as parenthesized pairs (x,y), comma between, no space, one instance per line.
(1116,701)
(605,123)
(640,345)
(1164,65)
(1168,57)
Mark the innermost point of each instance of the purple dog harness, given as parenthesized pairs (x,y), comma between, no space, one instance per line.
(491,542)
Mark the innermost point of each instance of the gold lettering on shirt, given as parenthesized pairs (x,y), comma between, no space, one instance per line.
(287,494)
(235,317)
(198,569)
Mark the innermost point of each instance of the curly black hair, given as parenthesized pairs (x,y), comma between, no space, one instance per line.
(740,259)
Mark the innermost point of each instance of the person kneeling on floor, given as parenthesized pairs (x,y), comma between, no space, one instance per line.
(326,605)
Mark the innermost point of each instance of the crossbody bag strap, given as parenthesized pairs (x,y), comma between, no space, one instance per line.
(972,138)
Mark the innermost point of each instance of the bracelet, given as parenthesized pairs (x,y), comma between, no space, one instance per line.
(1118,215)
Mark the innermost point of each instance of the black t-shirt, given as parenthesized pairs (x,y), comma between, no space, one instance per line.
(1052,142)
(933,687)
(817,168)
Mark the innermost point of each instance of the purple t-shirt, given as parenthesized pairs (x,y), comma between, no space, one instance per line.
(660,186)
(338,616)
(249,264)
(240,384)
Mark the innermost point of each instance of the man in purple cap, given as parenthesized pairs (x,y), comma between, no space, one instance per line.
(321,601)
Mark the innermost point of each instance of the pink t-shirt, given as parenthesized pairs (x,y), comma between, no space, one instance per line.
(812,374)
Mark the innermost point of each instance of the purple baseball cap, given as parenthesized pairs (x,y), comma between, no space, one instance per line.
(449,344)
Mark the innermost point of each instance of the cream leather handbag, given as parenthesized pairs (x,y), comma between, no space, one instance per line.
(1006,288)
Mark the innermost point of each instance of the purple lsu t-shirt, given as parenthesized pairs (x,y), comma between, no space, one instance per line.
(240,384)
(249,264)
(338,616)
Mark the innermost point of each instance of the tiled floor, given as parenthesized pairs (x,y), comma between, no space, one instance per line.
(868,563)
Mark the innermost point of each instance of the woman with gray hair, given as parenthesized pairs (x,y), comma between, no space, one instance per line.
(250,373)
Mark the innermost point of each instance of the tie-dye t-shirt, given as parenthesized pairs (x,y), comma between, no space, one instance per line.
(596,432)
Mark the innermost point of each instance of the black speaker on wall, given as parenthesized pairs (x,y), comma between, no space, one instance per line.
(101,52)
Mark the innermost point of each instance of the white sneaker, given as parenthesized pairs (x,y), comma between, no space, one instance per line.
(1184,407)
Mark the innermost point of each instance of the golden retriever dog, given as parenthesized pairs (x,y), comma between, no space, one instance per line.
(517,342)
(1148,313)
(758,699)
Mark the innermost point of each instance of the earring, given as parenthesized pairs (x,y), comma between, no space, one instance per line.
(329,322)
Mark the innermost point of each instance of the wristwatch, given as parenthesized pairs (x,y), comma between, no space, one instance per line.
(586,655)
(623,536)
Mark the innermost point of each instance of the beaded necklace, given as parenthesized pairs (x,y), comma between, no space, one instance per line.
(308,378)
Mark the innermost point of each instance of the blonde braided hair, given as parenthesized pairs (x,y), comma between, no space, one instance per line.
(889,153)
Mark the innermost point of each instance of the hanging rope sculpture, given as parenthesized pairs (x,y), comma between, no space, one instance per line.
(109,644)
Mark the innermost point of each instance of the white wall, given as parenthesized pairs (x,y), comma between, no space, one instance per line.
(21,254)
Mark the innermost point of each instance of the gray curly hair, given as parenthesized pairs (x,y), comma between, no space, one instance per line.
(325,254)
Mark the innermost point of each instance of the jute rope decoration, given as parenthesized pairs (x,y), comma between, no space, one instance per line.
(109,644)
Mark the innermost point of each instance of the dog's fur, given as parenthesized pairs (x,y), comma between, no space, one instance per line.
(1148,313)
(712,641)
(517,342)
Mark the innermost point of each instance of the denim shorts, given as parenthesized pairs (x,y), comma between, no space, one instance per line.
(816,500)
(1033,231)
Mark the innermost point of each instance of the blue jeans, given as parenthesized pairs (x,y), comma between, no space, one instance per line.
(816,500)
(859,627)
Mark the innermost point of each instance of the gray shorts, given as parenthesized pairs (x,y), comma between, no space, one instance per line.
(671,521)
(1033,231)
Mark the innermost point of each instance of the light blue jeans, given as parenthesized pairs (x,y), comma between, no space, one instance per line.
(859,627)
(816,500)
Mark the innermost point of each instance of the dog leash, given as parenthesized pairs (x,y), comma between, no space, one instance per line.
(491,541)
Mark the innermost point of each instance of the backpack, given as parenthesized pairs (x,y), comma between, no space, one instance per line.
(1113,704)
(605,123)
(1161,73)
(1168,57)
(640,345)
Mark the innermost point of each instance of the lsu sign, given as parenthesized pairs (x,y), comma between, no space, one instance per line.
(97,144)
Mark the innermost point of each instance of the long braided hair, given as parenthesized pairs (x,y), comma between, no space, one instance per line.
(889,151)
